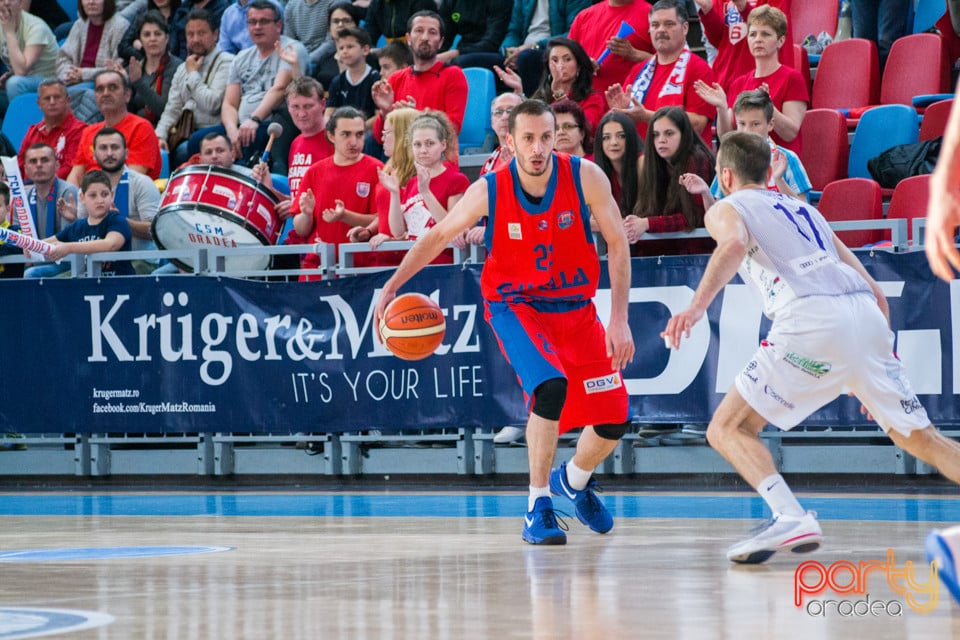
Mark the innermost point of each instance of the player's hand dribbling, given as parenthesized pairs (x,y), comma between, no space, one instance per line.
(679,326)
(386,297)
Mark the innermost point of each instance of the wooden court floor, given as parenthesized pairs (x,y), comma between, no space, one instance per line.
(447,565)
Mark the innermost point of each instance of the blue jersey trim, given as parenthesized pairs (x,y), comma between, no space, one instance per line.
(547,201)
(584,210)
(491,179)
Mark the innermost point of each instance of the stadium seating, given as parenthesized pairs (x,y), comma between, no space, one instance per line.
(813,16)
(853,199)
(22,112)
(935,119)
(281,183)
(879,129)
(69,7)
(848,77)
(801,62)
(476,130)
(825,146)
(926,13)
(910,200)
(917,65)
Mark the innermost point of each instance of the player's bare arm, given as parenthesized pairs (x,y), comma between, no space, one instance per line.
(725,226)
(943,213)
(605,212)
(464,215)
(850,258)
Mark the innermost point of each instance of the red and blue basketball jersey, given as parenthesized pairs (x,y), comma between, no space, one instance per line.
(539,252)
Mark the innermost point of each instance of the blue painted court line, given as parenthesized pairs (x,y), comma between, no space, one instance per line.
(904,509)
(102,553)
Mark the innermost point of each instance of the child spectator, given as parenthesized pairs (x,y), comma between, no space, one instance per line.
(393,57)
(431,189)
(754,113)
(102,230)
(353,86)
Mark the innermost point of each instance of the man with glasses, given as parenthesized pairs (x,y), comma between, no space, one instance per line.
(666,79)
(256,86)
(234,36)
(500,110)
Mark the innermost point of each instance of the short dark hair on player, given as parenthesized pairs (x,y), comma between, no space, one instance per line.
(747,155)
(529,108)
(96,176)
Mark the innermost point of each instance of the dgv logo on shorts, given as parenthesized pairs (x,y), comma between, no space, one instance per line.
(603,383)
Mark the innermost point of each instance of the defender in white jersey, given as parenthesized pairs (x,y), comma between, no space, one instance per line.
(830,330)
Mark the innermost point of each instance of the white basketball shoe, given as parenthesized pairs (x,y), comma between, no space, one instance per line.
(508,435)
(800,534)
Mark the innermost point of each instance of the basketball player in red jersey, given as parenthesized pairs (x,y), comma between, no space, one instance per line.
(538,282)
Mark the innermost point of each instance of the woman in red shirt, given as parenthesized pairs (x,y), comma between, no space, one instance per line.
(766,34)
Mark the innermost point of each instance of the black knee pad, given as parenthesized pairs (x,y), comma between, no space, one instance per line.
(611,431)
(548,398)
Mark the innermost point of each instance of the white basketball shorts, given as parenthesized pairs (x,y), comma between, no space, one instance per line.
(818,346)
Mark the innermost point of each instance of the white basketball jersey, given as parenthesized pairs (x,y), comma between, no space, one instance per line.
(790,251)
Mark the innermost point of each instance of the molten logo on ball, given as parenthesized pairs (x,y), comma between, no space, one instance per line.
(412,326)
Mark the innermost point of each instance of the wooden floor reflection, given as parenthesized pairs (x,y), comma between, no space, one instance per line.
(296,578)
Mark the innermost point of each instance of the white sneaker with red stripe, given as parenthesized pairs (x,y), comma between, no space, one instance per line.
(799,534)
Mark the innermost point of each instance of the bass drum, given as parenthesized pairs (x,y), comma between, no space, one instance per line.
(221,209)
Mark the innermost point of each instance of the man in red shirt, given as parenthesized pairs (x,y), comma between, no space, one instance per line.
(306,106)
(112,91)
(595,29)
(337,193)
(429,83)
(666,80)
(59,129)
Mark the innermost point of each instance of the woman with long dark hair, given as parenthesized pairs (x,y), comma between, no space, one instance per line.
(616,151)
(673,148)
(568,74)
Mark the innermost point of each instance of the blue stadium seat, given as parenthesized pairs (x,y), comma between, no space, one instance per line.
(281,183)
(879,129)
(69,7)
(165,165)
(481,90)
(926,13)
(22,112)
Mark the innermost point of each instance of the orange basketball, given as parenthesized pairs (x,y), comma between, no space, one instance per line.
(412,326)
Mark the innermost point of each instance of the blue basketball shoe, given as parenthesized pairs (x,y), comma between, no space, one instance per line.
(944,548)
(540,526)
(590,511)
